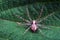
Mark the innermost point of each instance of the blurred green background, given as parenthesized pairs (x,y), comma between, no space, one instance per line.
(10,30)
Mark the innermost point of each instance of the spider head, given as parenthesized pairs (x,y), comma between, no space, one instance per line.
(34,22)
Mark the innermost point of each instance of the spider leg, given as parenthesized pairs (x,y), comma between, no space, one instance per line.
(43,26)
(28,13)
(40,13)
(21,18)
(26,30)
(47,16)
(23,23)
(42,33)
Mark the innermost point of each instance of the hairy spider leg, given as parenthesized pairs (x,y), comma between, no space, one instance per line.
(47,12)
(40,13)
(22,18)
(23,23)
(46,17)
(28,13)
(42,33)
(26,30)
(43,26)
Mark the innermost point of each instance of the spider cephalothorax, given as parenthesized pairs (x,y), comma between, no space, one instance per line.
(34,25)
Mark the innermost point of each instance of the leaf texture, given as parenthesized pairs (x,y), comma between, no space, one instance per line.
(9,30)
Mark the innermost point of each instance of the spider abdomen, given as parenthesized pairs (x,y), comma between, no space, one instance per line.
(34,27)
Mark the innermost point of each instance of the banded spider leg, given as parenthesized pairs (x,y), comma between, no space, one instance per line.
(28,22)
(29,19)
(45,26)
(41,25)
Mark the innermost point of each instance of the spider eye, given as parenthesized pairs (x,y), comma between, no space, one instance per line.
(31,22)
(35,23)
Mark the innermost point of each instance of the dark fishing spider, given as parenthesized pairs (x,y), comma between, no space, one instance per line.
(34,24)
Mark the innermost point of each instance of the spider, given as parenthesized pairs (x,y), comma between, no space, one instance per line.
(34,24)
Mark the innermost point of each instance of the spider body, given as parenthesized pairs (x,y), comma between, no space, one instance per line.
(34,26)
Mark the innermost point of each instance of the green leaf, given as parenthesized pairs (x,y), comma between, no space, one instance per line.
(10,30)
